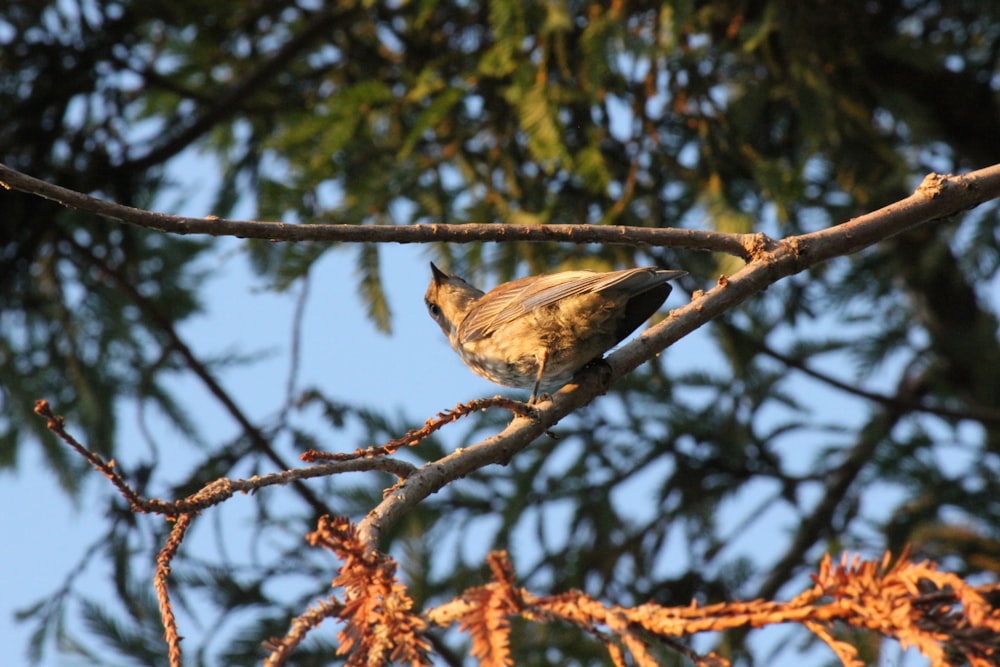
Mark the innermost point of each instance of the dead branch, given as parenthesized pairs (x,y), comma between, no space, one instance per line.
(163,560)
(913,603)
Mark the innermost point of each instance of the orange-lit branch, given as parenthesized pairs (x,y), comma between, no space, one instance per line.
(914,603)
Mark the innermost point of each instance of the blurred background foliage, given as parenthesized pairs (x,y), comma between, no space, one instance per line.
(738,115)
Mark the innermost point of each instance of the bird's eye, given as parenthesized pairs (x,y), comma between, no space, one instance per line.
(434,309)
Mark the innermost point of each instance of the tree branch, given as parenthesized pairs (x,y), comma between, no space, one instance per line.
(734,244)
(163,560)
(937,197)
(974,412)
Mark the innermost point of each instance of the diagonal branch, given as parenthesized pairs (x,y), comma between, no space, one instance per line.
(938,197)
(970,412)
(155,315)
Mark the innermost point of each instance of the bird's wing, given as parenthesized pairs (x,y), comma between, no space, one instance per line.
(512,300)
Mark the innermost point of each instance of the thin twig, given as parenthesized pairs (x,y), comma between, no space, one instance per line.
(971,412)
(57,424)
(280,649)
(218,490)
(295,350)
(417,435)
(163,560)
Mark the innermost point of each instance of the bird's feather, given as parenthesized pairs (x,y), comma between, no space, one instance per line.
(515,299)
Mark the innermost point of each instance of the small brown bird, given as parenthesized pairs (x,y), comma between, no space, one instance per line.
(538,331)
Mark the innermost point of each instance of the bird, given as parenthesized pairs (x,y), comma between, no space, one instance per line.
(537,332)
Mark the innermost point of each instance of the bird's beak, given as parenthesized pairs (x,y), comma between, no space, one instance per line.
(439,275)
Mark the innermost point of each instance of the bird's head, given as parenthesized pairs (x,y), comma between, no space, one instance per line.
(449,299)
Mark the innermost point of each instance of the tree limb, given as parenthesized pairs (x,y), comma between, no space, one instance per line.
(937,197)
(734,244)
